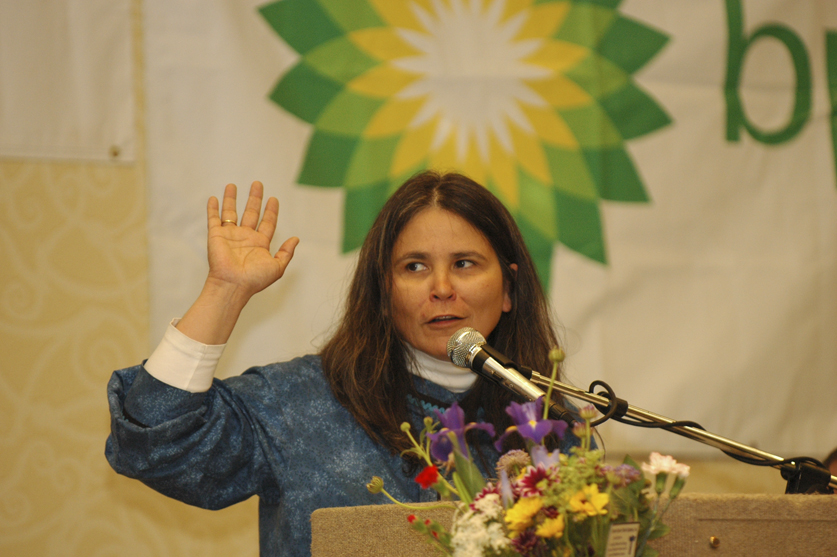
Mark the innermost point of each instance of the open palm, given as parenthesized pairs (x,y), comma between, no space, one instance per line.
(239,254)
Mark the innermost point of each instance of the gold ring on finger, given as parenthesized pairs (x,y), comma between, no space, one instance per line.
(228,221)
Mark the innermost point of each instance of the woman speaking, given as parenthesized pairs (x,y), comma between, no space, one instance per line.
(309,433)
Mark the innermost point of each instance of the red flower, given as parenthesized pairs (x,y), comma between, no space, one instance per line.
(428,477)
(411,518)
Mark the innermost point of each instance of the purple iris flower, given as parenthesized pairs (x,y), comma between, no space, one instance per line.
(528,423)
(453,420)
(543,458)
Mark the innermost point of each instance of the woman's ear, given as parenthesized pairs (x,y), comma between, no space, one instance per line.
(507,303)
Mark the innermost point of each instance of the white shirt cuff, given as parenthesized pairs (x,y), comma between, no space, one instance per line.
(184,363)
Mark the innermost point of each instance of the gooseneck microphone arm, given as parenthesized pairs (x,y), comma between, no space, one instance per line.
(467,348)
(799,472)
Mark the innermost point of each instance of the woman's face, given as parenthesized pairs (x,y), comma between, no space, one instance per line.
(445,276)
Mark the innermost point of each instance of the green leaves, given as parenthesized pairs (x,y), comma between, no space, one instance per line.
(467,477)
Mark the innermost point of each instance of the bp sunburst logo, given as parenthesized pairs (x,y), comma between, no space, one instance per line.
(535,99)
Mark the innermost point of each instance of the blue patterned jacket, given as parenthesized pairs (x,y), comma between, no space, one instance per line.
(275,431)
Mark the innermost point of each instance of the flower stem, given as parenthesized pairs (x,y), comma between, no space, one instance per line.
(651,526)
(424,454)
(416,508)
(552,379)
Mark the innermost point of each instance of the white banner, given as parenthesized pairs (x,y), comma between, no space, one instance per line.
(671,162)
(66,82)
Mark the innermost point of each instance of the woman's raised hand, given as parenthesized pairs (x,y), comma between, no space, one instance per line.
(239,251)
(240,263)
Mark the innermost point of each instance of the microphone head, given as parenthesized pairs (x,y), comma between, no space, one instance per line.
(461,343)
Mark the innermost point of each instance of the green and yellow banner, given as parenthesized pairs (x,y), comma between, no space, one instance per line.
(671,164)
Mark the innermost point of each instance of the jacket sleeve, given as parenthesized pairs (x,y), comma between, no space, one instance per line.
(201,448)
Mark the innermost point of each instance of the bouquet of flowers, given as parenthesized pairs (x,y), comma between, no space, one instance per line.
(542,503)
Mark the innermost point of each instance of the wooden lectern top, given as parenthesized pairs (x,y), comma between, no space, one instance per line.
(702,526)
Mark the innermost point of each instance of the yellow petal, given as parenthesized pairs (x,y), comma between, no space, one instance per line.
(519,517)
(398,13)
(413,148)
(383,43)
(559,56)
(551,527)
(503,168)
(530,154)
(445,156)
(544,20)
(560,92)
(474,166)
(514,7)
(382,81)
(550,127)
(393,117)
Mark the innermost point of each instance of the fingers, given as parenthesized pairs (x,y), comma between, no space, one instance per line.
(270,218)
(254,206)
(252,210)
(286,252)
(228,213)
(212,218)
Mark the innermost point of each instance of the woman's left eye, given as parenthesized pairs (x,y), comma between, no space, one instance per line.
(464,263)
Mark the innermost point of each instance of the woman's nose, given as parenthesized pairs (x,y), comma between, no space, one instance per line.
(442,287)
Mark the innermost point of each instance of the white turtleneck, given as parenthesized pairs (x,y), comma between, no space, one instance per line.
(446,374)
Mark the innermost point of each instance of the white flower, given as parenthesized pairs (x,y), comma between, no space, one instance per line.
(682,470)
(661,464)
(474,532)
(490,507)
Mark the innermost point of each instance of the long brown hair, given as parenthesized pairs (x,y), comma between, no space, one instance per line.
(365,361)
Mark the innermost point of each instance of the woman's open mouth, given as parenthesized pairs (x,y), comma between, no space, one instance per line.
(444,318)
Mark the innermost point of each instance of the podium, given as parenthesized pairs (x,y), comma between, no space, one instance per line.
(702,526)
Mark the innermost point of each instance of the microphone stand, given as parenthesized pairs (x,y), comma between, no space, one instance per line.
(802,477)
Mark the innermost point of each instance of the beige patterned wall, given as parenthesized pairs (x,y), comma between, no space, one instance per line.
(73,307)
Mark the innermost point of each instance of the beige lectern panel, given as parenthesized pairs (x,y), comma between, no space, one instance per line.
(702,526)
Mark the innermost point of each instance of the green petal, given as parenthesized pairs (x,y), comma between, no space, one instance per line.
(352,14)
(360,210)
(633,112)
(301,23)
(580,226)
(630,44)
(348,113)
(340,60)
(592,126)
(537,205)
(612,4)
(304,92)
(615,175)
(571,173)
(540,248)
(327,159)
(585,24)
(598,76)
(371,161)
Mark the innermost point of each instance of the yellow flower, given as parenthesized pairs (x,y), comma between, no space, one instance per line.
(519,517)
(589,501)
(551,527)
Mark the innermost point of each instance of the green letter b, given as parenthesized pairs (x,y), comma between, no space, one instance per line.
(738,45)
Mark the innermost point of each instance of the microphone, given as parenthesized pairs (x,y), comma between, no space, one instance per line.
(467,348)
